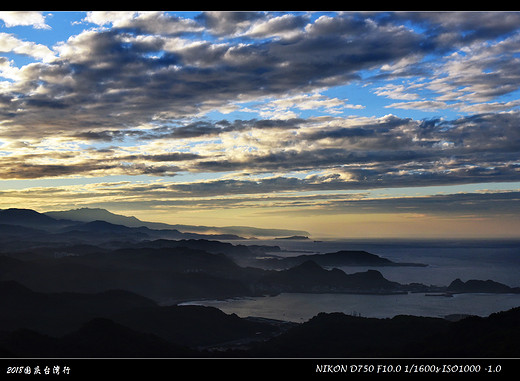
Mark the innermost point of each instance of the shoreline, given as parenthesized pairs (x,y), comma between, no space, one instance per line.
(376,306)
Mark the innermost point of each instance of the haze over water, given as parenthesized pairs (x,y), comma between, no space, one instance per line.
(497,260)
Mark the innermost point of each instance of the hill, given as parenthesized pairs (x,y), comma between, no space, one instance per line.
(98,338)
(29,218)
(60,313)
(337,259)
(309,277)
(480,286)
(58,228)
(178,331)
(177,274)
(336,335)
(93,214)
(47,324)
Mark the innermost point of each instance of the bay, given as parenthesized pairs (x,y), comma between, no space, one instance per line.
(446,260)
(297,307)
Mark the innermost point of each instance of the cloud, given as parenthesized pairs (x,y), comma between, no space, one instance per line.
(61,163)
(420,105)
(393,91)
(283,106)
(287,26)
(342,153)
(448,28)
(264,195)
(202,129)
(478,77)
(151,67)
(459,204)
(141,70)
(24,18)
(228,23)
(9,43)
(144,22)
(149,80)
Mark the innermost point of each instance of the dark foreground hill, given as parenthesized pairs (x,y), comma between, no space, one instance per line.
(338,335)
(119,323)
(179,273)
(192,331)
(99,338)
(114,324)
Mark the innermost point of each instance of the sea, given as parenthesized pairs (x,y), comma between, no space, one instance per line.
(446,260)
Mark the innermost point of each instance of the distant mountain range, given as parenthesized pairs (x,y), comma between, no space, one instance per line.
(78,225)
(93,214)
(29,218)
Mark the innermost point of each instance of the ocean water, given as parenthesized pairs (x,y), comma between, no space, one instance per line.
(498,260)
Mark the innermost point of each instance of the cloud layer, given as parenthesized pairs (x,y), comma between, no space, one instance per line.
(261,103)
(153,68)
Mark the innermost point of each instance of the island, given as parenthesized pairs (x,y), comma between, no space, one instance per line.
(294,238)
(337,259)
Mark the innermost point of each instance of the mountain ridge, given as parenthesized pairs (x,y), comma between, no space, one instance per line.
(27,218)
(92,214)
(335,259)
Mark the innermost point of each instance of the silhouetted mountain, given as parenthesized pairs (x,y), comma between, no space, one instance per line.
(104,230)
(478,286)
(29,218)
(340,335)
(337,335)
(55,228)
(327,335)
(95,214)
(294,238)
(16,237)
(100,281)
(59,250)
(98,338)
(176,271)
(310,277)
(19,232)
(337,259)
(60,313)
(60,324)
(104,338)
(243,255)
(226,232)
(99,226)
(194,326)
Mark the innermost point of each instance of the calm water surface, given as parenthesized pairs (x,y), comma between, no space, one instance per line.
(446,260)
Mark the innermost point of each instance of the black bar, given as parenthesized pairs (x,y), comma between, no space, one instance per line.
(239,368)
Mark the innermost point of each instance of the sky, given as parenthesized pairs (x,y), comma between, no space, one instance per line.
(342,124)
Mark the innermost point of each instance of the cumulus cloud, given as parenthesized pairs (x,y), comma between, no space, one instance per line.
(9,43)
(144,22)
(141,78)
(347,154)
(24,18)
(141,70)
(229,23)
